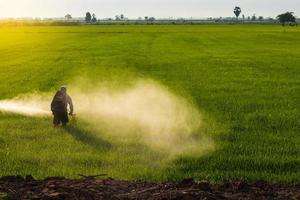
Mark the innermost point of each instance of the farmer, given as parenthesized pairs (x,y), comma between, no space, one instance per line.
(59,107)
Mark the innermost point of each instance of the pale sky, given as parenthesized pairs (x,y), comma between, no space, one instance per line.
(141,8)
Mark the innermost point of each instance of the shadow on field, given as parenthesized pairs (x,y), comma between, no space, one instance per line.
(87,137)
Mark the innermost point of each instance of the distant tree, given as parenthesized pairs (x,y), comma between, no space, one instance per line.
(117,17)
(243,16)
(122,17)
(151,19)
(253,18)
(146,18)
(260,18)
(248,18)
(88,17)
(237,11)
(68,17)
(94,19)
(286,17)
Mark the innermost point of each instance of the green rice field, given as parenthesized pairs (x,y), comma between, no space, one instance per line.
(244,80)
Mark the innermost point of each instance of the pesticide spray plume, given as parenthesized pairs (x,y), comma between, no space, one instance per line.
(23,108)
(145,109)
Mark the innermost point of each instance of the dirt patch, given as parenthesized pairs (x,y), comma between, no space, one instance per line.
(89,188)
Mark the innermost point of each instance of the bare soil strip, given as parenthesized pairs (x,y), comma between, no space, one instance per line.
(90,188)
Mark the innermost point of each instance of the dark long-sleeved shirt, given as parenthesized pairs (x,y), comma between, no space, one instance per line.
(61,101)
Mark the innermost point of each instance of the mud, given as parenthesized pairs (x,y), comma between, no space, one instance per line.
(90,188)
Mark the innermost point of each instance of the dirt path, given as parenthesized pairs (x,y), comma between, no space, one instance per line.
(90,188)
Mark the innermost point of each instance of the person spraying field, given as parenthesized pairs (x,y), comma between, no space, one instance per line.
(59,107)
(145,110)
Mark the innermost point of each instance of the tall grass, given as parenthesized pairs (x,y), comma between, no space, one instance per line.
(245,80)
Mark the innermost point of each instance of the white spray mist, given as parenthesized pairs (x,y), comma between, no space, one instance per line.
(146,109)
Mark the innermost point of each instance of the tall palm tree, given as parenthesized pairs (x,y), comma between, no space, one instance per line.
(237,11)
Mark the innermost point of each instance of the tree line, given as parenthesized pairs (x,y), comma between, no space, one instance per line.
(284,18)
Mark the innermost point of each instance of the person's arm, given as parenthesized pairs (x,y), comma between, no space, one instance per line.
(52,103)
(70,102)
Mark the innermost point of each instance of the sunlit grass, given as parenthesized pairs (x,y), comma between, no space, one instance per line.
(245,80)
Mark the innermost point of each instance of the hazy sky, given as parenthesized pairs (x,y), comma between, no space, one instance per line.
(137,8)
